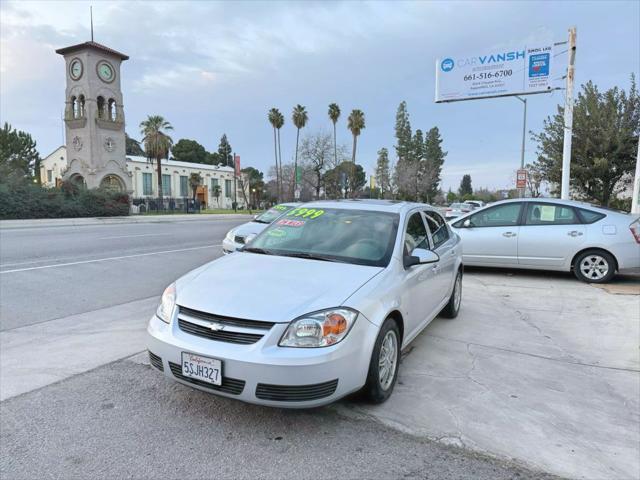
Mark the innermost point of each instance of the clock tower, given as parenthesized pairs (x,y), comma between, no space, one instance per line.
(94,117)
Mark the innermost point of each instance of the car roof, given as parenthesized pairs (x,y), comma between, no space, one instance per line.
(559,201)
(393,206)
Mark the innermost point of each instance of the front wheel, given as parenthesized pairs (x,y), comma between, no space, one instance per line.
(594,266)
(385,360)
(453,307)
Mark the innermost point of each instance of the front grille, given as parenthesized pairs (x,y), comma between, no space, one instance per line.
(156,361)
(239,239)
(229,385)
(220,335)
(232,322)
(296,393)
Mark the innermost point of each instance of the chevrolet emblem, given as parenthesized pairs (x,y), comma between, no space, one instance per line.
(216,327)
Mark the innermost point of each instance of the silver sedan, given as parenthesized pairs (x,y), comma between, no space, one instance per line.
(552,234)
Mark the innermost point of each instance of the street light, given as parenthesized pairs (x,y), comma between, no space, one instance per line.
(524,134)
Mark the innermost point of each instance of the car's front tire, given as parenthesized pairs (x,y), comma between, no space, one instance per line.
(453,307)
(594,266)
(384,364)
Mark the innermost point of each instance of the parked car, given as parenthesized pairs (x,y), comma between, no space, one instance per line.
(456,209)
(475,204)
(552,234)
(317,306)
(237,236)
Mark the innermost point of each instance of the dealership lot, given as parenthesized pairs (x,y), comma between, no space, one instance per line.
(538,368)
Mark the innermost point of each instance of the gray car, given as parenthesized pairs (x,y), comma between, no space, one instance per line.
(551,234)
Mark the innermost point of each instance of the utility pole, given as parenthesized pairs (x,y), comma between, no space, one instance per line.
(524,134)
(568,116)
(635,207)
(235,187)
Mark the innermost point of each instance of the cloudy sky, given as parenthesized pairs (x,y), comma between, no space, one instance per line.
(214,67)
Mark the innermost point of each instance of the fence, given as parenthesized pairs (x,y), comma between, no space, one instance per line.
(165,205)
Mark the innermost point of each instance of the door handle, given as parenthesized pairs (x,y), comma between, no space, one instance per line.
(574,233)
(508,234)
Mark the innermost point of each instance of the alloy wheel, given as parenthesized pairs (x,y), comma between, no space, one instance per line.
(388,359)
(594,267)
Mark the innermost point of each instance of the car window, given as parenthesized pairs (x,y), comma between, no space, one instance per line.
(416,234)
(548,214)
(499,216)
(589,216)
(273,213)
(438,228)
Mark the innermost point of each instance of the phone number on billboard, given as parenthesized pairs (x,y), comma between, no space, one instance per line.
(488,75)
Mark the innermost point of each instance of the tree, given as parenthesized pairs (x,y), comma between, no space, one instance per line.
(132,147)
(344,179)
(417,157)
(465,186)
(189,151)
(299,118)
(225,151)
(19,159)
(434,159)
(279,125)
(535,178)
(403,132)
(406,169)
(334,115)
(356,124)
(216,191)
(451,196)
(157,144)
(604,143)
(213,158)
(315,153)
(254,184)
(273,120)
(194,181)
(383,177)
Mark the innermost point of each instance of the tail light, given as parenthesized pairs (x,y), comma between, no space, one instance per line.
(635,230)
(448,209)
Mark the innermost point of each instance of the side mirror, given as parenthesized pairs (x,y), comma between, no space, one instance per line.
(466,223)
(420,256)
(256,216)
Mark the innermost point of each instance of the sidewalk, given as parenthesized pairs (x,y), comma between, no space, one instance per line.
(65,222)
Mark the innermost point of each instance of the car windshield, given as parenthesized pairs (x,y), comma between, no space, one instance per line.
(352,236)
(271,214)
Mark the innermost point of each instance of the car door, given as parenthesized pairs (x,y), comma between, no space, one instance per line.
(444,244)
(419,300)
(550,235)
(490,237)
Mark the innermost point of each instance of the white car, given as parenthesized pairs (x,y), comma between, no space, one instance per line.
(475,204)
(236,237)
(457,209)
(318,306)
(552,234)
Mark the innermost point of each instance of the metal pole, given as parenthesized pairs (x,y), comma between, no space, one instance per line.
(635,200)
(235,187)
(522,191)
(568,116)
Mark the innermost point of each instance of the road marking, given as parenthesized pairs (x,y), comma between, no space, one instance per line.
(107,259)
(130,236)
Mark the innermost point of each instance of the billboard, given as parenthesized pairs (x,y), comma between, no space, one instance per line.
(520,71)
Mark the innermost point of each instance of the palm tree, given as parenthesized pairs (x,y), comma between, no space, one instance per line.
(216,191)
(194,181)
(334,114)
(157,144)
(279,125)
(273,119)
(300,118)
(356,125)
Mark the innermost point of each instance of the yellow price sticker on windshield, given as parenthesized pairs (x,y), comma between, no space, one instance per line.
(305,212)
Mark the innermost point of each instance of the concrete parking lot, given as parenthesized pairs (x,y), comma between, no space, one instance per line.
(539,373)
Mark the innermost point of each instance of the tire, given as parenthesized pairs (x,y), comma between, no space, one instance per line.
(378,389)
(594,266)
(453,307)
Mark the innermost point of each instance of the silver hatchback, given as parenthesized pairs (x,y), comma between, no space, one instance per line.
(551,234)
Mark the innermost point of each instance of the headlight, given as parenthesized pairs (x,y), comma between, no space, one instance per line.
(319,329)
(231,234)
(167,303)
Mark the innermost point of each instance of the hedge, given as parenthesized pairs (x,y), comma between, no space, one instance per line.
(32,201)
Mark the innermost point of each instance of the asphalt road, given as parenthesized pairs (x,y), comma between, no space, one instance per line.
(74,304)
(53,272)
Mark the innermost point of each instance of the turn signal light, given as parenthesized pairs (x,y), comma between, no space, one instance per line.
(334,324)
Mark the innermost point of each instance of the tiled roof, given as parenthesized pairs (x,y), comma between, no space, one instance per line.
(94,45)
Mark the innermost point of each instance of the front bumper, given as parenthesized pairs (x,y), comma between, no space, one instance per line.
(266,374)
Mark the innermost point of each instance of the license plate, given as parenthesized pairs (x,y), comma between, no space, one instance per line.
(202,368)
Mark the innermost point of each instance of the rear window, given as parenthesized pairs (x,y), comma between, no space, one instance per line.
(589,216)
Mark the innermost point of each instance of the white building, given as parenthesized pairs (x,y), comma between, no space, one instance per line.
(175,179)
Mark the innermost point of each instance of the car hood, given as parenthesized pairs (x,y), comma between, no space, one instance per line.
(268,287)
(249,228)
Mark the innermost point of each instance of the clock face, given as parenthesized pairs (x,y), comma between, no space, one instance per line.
(106,72)
(75,69)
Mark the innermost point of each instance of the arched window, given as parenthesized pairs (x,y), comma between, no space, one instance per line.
(74,107)
(112,110)
(81,105)
(101,107)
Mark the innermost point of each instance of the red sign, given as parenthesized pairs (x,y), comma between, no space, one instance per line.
(236,160)
(521,179)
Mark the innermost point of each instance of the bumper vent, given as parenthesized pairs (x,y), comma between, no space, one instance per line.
(232,386)
(156,361)
(296,393)
(222,329)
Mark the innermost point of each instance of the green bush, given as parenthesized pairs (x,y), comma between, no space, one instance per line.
(25,200)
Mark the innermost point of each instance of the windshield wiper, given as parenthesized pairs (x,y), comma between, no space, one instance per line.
(310,256)
(260,221)
(257,250)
